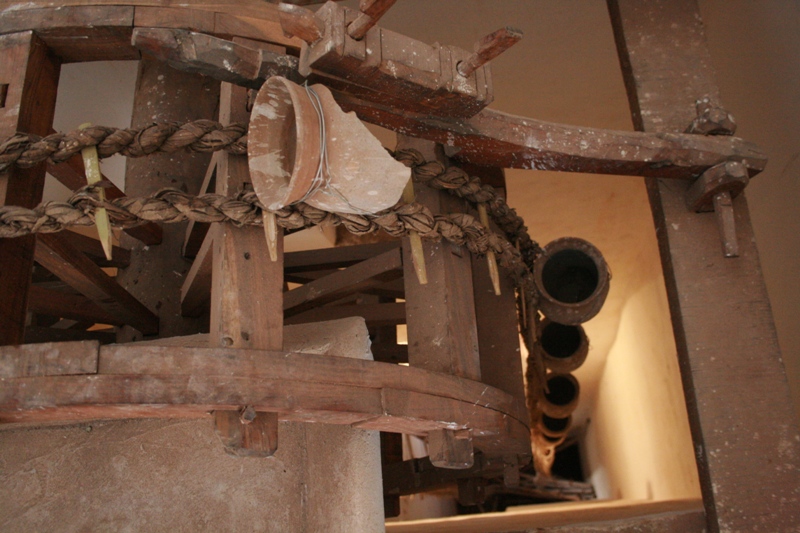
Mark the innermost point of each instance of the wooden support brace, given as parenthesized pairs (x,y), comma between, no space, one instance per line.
(488,48)
(73,267)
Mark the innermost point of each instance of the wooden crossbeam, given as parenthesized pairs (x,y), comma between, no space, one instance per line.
(196,231)
(356,278)
(66,305)
(94,250)
(196,288)
(73,267)
(337,257)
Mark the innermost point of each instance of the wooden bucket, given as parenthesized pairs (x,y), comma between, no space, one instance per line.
(302,147)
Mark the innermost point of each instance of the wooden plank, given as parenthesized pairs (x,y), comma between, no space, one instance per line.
(56,254)
(30,75)
(246,290)
(734,380)
(65,305)
(94,250)
(36,335)
(174,355)
(49,359)
(72,175)
(356,278)
(379,314)
(442,334)
(196,289)
(157,272)
(492,138)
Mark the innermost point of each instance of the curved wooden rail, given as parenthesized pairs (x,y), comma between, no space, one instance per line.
(148,381)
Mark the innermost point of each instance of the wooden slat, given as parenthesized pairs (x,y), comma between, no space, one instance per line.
(49,359)
(31,75)
(356,278)
(442,334)
(70,265)
(242,25)
(65,305)
(743,425)
(381,314)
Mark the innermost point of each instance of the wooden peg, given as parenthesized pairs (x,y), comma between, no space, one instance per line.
(490,257)
(247,433)
(271,231)
(93,177)
(371,12)
(300,22)
(417,253)
(488,48)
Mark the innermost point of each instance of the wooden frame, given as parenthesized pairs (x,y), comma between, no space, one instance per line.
(702,331)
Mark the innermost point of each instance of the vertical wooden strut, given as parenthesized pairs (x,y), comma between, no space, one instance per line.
(742,419)
(29,78)
(246,293)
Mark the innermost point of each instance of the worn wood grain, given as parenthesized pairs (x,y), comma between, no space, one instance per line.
(31,74)
(743,425)
(171,17)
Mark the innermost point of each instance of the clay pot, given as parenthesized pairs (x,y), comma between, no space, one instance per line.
(284,149)
(562,399)
(573,281)
(563,348)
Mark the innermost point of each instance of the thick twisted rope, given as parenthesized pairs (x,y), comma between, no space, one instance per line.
(25,150)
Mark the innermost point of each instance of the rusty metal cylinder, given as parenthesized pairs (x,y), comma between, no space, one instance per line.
(573,280)
(563,347)
(561,397)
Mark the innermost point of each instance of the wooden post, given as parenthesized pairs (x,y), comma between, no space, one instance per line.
(743,425)
(246,291)
(156,272)
(28,82)
(442,331)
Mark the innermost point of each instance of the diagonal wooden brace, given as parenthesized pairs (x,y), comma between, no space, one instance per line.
(714,191)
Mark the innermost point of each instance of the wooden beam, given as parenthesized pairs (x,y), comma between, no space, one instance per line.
(246,293)
(442,334)
(66,305)
(492,138)
(743,425)
(48,359)
(38,335)
(157,272)
(68,263)
(337,257)
(356,278)
(29,74)
(196,231)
